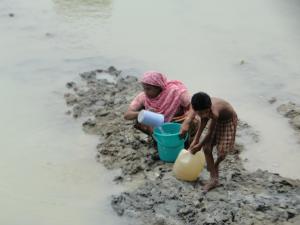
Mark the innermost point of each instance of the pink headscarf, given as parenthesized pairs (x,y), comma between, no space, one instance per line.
(168,101)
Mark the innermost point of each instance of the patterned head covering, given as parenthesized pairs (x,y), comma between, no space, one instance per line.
(168,101)
(155,78)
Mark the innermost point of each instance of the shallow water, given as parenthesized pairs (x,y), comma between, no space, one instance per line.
(48,169)
(243,51)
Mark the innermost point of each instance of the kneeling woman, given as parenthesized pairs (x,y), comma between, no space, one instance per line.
(169,98)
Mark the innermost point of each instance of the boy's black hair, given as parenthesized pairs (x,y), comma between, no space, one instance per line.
(201,101)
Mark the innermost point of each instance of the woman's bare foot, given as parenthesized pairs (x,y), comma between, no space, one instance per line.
(213,183)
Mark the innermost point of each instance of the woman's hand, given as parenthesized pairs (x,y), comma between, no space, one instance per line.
(131,115)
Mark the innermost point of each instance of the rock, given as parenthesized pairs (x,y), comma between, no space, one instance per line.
(118,179)
(70,85)
(272,100)
(88,75)
(89,123)
(116,200)
(77,111)
(113,71)
(296,121)
(47,34)
(289,110)
(71,99)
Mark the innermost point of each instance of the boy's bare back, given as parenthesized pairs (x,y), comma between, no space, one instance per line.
(221,109)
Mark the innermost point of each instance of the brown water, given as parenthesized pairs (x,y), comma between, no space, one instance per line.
(243,51)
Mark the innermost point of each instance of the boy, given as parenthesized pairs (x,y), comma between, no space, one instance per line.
(221,131)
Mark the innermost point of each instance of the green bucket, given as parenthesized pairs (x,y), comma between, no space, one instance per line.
(168,141)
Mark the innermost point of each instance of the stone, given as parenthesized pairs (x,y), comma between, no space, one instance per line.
(296,121)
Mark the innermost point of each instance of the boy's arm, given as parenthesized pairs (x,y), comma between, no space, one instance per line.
(200,129)
(195,144)
(207,137)
(209,132)
(186,123)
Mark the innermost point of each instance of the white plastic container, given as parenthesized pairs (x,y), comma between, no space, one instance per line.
(188,166)
(151,119)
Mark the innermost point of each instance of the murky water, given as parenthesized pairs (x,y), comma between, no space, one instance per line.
(243,51)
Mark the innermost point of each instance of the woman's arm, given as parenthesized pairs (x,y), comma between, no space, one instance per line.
(131,114)
(134,108)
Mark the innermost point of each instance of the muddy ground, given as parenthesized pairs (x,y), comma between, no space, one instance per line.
(154,195)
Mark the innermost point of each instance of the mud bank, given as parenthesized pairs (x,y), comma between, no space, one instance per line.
(158,197)
(291,111)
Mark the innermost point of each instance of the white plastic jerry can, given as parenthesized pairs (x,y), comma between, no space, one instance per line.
(151,119)
(188,166)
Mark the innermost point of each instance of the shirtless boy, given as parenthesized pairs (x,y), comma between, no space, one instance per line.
(222,122)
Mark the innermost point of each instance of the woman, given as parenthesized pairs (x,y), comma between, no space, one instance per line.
(169,98)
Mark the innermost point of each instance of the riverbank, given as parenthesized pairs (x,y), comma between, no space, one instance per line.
(158,197)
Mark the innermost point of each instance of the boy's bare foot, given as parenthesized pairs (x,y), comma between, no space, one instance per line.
(213,183)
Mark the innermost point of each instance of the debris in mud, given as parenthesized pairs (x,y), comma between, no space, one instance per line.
(272,100)
(291,111)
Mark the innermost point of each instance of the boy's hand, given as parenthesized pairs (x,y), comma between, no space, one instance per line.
(194,142)
(192,145)
(194,149)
